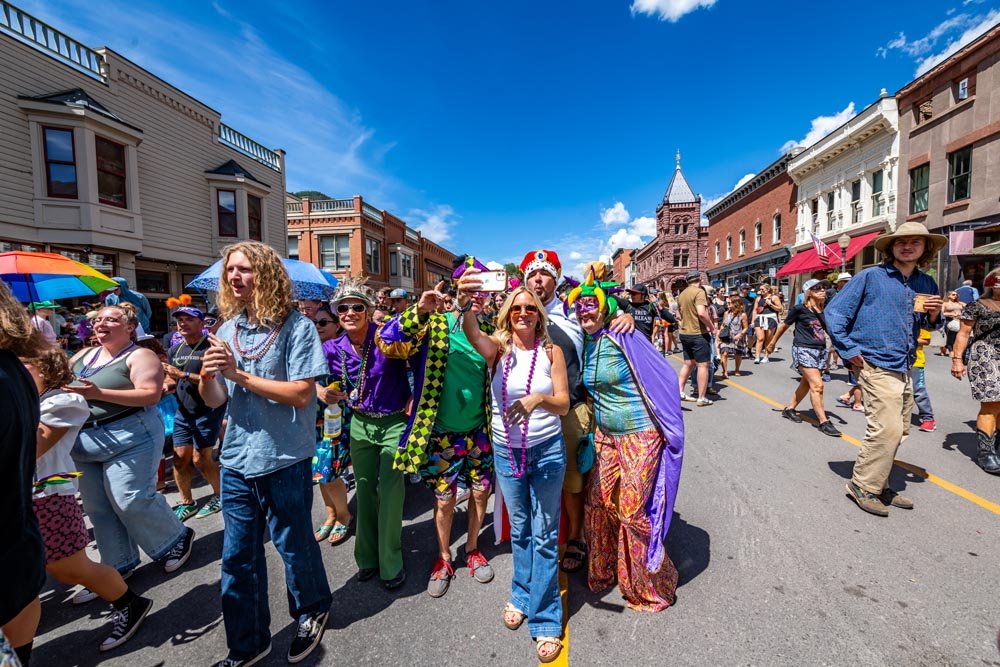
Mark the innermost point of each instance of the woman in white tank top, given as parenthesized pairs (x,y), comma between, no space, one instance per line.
(530,392)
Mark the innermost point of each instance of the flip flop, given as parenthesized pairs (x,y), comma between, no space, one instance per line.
(339,534)
(578,557)
(323,532)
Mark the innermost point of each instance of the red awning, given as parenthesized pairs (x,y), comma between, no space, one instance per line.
(808,261)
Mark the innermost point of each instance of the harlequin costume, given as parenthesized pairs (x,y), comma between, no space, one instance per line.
(638,456)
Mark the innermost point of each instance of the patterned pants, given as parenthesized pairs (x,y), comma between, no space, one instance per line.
(618,530)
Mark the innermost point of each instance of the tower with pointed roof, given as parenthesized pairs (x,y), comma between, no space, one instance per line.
(681,243)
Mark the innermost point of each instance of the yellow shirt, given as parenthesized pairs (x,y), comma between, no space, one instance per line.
(687,304)
(925,335)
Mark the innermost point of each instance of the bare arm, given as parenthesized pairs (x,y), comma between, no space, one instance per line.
(557,402)
(219,359)
(782,328)
(146,374)
(957,352)
(213,392)
(705,317)
(486,346)
(47,437)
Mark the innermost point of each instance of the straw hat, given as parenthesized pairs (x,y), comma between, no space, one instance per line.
(935,241)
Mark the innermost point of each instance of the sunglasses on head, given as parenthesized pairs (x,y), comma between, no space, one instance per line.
(323,322)
(518,309)
(356,307)
(210,321)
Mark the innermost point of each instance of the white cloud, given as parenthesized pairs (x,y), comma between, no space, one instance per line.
(746,179)
(820,127)
(982,24)
(669,10)
(918,47)
(709,202)
(436,224)
(643,226)
(616,215)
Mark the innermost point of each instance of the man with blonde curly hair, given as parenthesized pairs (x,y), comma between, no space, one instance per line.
(265,359)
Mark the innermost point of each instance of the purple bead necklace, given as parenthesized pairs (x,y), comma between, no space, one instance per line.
(508,363)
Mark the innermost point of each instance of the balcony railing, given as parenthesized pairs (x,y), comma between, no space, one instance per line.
(41,36)
(244,144)
(372,212)
(293,207)
(331,205)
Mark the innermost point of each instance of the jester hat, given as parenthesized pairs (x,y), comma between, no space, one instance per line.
(469,263)
(595,284)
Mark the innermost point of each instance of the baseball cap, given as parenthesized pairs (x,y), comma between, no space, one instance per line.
(815,282)
(639,289)
(744,285)
(843,276)
(692,275)
(188,310)
(399,293)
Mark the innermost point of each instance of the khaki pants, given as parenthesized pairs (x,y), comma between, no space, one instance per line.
(888,397)
(575,425)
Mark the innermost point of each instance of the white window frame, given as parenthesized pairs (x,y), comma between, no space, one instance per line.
(758,235)
(743,242)
(776,228)
(336,266)
(729,247)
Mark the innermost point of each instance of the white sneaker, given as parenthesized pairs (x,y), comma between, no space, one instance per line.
(704,402)
(764,360)
(688,397)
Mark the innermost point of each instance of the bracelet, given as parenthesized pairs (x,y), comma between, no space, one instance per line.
(187,376)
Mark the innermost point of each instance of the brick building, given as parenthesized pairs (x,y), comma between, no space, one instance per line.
(681,243)
(750,230)
(623,266)
(350,237)
(949,126)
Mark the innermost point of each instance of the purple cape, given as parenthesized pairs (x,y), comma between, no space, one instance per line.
(658,384)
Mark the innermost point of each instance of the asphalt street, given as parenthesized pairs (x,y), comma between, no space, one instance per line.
(777,566)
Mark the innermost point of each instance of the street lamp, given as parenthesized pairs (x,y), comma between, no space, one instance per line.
(843,242)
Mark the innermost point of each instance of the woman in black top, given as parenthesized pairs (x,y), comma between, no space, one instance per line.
(808,353)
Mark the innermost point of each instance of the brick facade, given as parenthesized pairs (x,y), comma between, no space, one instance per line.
(681,243)
(767,200)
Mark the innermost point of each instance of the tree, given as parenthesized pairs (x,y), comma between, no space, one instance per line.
(312,194)
(513,270)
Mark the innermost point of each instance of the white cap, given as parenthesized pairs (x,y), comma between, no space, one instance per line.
(843,276)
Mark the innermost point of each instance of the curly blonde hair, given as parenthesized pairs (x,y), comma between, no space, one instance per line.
(272,288)
(505,326)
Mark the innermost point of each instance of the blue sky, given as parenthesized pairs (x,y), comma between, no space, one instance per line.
(496,127)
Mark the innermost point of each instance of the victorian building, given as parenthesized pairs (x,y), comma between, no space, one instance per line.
(681,243)
(350,237)
(847,189)
(949,126)
(750,230)
(108,164)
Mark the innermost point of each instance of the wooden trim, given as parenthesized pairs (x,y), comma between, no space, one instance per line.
(219,211)
(123,175)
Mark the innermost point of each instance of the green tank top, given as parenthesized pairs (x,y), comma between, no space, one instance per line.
(113,376)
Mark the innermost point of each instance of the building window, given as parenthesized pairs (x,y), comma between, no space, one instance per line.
(226,206)
(253,218)
(877,193)
(157,282)
(680,257)
(814,211)
(960,174)
(718,251)
(776,228)
(684,229)
(758,234)
(393,263)
(677,229)
(111,173)
(60,162)
(335,252)
(406,263)
(743,242)
(373,255)
(919,181)
(830,198)
(729,247)
(293,247)
(856,202)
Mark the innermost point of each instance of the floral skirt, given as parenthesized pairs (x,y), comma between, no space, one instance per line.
(61,521)
(618,528)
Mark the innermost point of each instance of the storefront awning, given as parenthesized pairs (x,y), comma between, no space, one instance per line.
(988,249)
(808,261)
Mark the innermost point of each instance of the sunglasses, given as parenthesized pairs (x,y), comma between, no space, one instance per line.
(211,321)
(518,309)
(356,307)
(323,322)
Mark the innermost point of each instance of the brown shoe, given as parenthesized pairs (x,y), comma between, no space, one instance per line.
(890,497)
(869,502)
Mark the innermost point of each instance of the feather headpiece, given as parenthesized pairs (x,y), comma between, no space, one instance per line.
(354,287)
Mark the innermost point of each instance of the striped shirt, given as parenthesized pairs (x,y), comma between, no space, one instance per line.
(873,316)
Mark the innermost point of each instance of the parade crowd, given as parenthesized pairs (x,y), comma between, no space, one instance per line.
(554,394)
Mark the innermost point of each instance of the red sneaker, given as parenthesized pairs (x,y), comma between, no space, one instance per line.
(928,425)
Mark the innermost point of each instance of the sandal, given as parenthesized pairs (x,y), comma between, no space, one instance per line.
(845,402)
(511,609)
(339,533)
(323,532)
(577,559)
(542,641)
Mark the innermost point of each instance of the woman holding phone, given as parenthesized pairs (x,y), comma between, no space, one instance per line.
(530,392)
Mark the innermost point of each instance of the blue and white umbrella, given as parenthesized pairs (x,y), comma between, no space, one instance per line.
(308,282)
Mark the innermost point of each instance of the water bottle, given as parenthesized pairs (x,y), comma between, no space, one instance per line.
(332,421)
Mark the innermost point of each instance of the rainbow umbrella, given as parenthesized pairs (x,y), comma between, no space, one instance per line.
(45,276)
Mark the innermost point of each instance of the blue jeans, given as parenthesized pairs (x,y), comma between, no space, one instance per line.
(920,395)
(281,502)
(533,505)
(118,487)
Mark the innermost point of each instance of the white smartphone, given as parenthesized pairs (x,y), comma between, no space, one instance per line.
(493,281)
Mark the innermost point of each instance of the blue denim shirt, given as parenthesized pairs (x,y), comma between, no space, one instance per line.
(262,435)
(873,316)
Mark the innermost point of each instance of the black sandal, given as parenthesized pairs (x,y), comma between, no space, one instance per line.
(578,558)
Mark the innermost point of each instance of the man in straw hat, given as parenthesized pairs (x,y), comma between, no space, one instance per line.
(874,322)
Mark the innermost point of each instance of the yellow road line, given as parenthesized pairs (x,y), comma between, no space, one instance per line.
(909,467)
(563,659)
